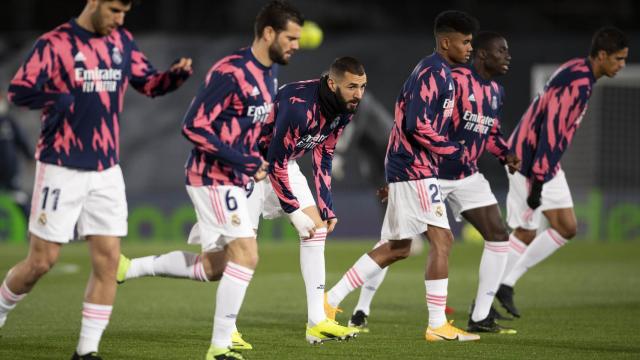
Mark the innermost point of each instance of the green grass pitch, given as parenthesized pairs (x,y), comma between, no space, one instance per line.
(584,302)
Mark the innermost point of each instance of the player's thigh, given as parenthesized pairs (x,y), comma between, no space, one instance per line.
(104,211)
(412,207)
(299,187)
(222,214)
(488,221)
(519,215)
(58,196)
(256,200)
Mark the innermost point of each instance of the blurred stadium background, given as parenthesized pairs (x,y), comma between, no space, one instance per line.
(389,37)
(589,310)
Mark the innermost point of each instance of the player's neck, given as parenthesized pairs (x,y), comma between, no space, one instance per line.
(84,21)
(597,73)
(261,52)
(482,70)
(445,56)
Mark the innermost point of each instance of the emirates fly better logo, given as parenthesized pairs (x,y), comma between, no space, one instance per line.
(96,79)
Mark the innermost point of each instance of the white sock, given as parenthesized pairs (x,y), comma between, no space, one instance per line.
(229,297)
(369,288)
(94,320)
(368,291)
(492,264)
(362,271)
(313,273)
(436,301)
(545,244)
(516,249)
(8,301)
(178,264)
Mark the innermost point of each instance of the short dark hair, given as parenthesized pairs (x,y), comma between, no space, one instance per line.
(610,39)
(483,40)
(345,64)
(276,14)
(455,21)
(125,2)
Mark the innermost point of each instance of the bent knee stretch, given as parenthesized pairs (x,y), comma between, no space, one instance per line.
(567,231)
(39,267)
(401,253)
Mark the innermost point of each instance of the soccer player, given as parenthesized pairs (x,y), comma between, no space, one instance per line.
(310,116)
(415,206)
(475,120)
(78,74)
(224,123)
(539,203)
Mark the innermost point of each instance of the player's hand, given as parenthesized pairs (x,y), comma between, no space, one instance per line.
(305,226)
(182,65)
(383,194)
(533,200)
(331,224)
(513,162)
(262,171)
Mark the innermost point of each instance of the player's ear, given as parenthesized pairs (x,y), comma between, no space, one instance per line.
(481,53)
(332,84)
(444,43)
(269,34)
(602,55)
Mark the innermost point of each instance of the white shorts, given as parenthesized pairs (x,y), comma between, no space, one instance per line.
(412,206)
(465,194)
(64,197)
(264,201)
(555,195)
(222,214)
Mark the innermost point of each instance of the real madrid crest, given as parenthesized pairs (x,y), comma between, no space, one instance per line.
(439,211)
(42,219)
(235,220)
(116,56)
(494,102)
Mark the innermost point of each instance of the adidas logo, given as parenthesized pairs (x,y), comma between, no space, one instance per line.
(79,57)
(255,91)
(450,86)
(472,98)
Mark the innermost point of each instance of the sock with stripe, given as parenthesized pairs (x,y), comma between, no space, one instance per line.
(313,273)
(229,298)
(370,287)
(176,264)
(368,291)
(492,264)
(436,301)
(362,271)
(8,301)
(94,320)
(545,244)
(516,249)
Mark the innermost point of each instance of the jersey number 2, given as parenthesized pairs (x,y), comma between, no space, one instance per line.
(435,193)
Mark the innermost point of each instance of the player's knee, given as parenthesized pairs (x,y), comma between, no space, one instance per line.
(567,231)
(400,253)
(442,244)
(500,234)
(252,260)
(524,235)
(247,259)
(40,266)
